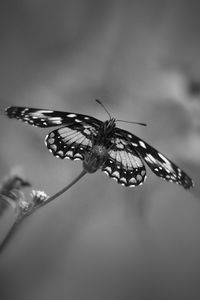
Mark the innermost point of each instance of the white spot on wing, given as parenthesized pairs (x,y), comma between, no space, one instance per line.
(52,135)
(86,131)
(120,146)
(142,144)
(44,111)
(40,113)
(78,155)
(56,120)
(115,178)
(150,159)
(69,153)
(116,174)
(134,144)
(106,172)
(132,180)
(71,115)
(167,163)
(61,153)
(123,179)
(139,177)
(108,169)
(51,141)
(54,147)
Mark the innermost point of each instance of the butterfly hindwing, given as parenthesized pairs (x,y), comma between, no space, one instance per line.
(157,162)
(71,141)
(124,165)
(48,118)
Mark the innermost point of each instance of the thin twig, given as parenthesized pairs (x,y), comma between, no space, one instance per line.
(34,208)
(48,200)
(66,188)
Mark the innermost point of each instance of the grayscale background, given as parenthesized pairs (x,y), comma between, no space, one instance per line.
(101,240)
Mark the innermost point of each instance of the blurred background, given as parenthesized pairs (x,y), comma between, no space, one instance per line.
(101,240)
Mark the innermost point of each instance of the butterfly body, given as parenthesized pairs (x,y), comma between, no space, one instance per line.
(101,145)
(95,158)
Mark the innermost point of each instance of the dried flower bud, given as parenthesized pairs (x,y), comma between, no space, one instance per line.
(39,196)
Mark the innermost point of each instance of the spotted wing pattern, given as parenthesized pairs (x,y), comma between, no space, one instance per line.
(156,161)
(124,161)
(124,165)
(71,141)
(49,118)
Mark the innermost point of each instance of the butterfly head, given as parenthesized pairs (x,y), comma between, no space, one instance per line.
(108,126)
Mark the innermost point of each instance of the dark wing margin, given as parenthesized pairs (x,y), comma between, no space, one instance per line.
(124,165)
(48,118)
(71,141)
(157,162)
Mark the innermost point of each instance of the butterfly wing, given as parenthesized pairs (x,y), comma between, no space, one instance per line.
(123,164)
(156,161)
(71,141)
(48,118)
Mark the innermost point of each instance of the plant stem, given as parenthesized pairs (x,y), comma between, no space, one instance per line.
(22,217)
(65,188)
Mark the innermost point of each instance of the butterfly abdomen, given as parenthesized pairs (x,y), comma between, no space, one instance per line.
(95,158)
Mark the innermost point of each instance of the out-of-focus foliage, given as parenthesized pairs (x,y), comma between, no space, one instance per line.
(101,240)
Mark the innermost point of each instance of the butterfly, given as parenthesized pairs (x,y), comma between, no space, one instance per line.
(101,145)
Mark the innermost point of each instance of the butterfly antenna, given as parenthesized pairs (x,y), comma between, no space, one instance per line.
(100,103)
(138,123)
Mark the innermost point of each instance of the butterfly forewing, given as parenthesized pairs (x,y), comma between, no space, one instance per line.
(49,118)
(71,141)
(157,162)
(124,165)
